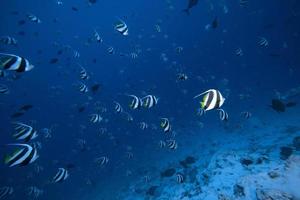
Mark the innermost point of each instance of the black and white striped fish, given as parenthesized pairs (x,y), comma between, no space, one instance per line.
(34,192)
(223,115)
(143,125)
(83,88)
(133,55)
(34,18)
(14,63)
(76,54)
(182,77)
(129,155)
(172,144)
(121,27)
(135,102)
(103,160)
(165,125)
(162,144)
(129,118)
(118,107)
(263,42)
(59,2)
(4,89)
(24,132)
(7,40)
(244,3)
(61,175)
(239,52)
(97,37)
(110,50)
(246,114)
(179,178)
(21,157)
(146,179)
(83,74)
(149,101)
(5,192)
(95,118)
(157,28)
(212,99)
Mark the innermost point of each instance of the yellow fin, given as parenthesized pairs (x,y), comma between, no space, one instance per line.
(202,104)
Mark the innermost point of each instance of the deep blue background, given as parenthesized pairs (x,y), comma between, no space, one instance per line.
(209,54)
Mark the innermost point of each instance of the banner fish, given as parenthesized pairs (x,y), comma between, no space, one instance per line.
(61,175)
(14,63)
(191,4)
(122,27)
(21,157)
(212,99)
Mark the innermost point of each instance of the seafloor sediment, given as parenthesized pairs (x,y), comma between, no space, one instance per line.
(257,162)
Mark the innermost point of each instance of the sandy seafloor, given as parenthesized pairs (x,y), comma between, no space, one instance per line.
(244,163)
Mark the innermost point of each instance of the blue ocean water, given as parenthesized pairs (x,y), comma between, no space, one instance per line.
(246,50)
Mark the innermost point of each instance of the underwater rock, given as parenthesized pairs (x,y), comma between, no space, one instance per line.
(272,194)
(187,161)
(168,172)
(151,190)
(261,159)
(205,178)
(186,194)
(192,174)
(296,143)
(285,152)
(238,190)
(273,174)
(278,105)
(197,189)
(223,197)
(246,161)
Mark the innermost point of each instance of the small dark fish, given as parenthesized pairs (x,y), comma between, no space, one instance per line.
(53,60)
(26,107)
(81,109)
(122,54)
(275,55)
(191,4)
(291,104)
(215,23)
(94,60)
(75,9)
(14,12)
(59,52)
(278,105)
(95,88)
(21,33)
(92,1)
(17,114)
(21,22)
(70,166)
